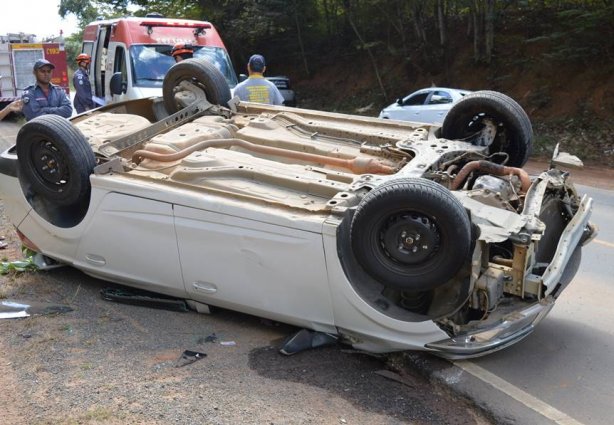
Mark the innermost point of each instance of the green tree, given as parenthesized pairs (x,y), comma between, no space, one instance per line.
(87,11)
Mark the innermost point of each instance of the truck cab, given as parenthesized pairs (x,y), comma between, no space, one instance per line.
(131,56)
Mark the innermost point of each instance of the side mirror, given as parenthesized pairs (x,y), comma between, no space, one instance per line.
(242,77)
(400,101)
(117,85)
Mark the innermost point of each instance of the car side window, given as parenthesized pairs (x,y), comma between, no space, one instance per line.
(417,99)
(439,97)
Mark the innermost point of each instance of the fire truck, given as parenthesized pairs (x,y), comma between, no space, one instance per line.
(18,52)
(131,56)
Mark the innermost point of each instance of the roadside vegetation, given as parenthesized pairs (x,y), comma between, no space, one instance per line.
(556,57)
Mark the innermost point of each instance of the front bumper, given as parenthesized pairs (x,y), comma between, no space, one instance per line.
(510,330)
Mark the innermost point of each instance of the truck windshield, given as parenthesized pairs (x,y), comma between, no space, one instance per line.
(150,63)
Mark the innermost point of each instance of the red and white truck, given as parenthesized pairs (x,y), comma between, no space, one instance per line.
(131,56)
(18,52)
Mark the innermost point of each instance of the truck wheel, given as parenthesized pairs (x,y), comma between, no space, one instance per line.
(55,160)
(411,234)
(514,132)
(199,72)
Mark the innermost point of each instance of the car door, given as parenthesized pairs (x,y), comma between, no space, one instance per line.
(436,107)
(274,271)
(98,68)
(132,240)
(411,107)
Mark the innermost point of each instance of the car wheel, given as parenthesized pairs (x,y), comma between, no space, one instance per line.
(514,132)
(199,72)
(411,234)
(55,160)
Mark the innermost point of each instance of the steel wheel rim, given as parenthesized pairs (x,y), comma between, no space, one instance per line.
(49,165)
(408,239)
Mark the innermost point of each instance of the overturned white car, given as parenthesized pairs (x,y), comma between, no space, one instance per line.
(390,235)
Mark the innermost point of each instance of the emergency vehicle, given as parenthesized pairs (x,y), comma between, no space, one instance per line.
(130,56)
(18,52)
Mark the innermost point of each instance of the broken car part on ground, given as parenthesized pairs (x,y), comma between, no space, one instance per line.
(389,235)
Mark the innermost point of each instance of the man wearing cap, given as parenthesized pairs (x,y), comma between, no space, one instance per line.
(43,97)
(81,80)
(257,88)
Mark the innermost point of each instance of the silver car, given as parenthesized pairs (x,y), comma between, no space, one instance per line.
(429,105)
(387,235)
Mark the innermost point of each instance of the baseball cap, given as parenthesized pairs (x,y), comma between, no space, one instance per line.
(43,62)
(256,63)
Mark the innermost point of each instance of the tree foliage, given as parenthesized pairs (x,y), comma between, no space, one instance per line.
(87,11)
(427,27)
(425,34)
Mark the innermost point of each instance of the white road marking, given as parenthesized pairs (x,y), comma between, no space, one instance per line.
(604,243)
(521,396)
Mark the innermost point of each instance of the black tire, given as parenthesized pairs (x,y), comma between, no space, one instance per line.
(417,210)
(55,160)
(514,131)
(200,72)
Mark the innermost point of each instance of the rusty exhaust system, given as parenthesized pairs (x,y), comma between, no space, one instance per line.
(356,165)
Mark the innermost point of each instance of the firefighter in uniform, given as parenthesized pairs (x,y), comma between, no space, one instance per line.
(182,51)
(43,97)
(81,80)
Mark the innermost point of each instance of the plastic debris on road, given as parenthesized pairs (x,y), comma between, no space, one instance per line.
(16,309)
(189,357)
(143,299)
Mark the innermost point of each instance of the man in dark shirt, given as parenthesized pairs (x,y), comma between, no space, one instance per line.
(43,97)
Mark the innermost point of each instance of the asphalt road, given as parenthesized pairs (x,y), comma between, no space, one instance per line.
(569,361)
(563,373)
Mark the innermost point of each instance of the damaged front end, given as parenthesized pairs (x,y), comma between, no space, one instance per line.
(521,264)
(523,247)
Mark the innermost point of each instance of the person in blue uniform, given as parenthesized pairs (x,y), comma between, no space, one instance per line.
(81,80)
(43,97)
